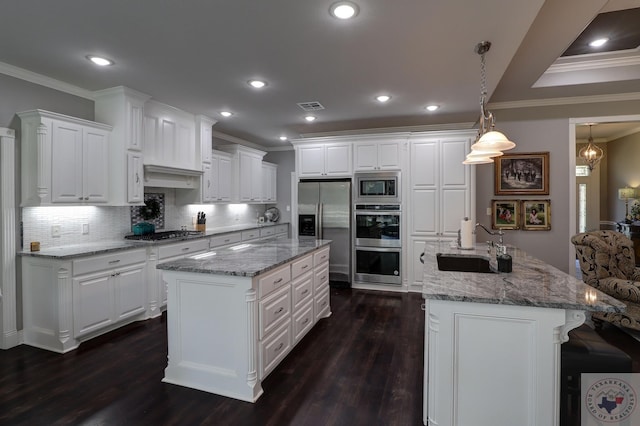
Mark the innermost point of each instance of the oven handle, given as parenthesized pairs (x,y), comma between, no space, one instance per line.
(380,249)
(319,215)
(378,213)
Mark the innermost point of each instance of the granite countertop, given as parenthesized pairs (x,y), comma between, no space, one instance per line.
(532,282)
(99,247)
(254,259)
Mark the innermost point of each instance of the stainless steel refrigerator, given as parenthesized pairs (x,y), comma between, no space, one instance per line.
(324,212)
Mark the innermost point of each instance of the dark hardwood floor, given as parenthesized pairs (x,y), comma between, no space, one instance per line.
(361,366)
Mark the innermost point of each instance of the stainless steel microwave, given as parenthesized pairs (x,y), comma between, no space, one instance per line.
(380,187)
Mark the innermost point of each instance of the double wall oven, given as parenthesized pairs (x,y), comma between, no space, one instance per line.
(378,244)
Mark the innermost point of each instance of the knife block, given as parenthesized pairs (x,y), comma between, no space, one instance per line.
(202,227)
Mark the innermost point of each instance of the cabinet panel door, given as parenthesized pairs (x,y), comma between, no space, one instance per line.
(207,183)
(424,204)
(169,137)
(66,163)
(256,178)
(366,156)
(417,267)
(135,173)
(95,150)
(134,126)
(424,164)
(152,143)
(92,303)
(311,160)
(389,155)
(453,203)
(224,187)
(246,183)
(130,291)
(205,142)
(184,148)
(338,160)
(453,154)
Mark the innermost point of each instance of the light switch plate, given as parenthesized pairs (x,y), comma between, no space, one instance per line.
(85,228)
(55,230)
(488,211)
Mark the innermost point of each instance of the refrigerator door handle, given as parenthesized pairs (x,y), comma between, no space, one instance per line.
(319,214)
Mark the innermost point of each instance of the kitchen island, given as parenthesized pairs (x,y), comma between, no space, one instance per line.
(492,340)
(234,313)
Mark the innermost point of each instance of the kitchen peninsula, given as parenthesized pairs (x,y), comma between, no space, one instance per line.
(492,340)
(235,313)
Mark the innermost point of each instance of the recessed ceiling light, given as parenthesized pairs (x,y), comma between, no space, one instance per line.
(226,113)
(283,138)
(103,62)
(432,107)
(258,84)
(343,10)
(599,42)
(383,98)
(309,118)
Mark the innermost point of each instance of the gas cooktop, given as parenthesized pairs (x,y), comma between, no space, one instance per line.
(164,235)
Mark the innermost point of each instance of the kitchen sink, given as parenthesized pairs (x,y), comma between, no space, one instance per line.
(463,263)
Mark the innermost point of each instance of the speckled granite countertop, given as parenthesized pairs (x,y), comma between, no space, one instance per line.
(531,283)
(88,249)
(253,260)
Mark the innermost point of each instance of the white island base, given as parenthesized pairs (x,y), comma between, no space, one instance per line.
(498,365)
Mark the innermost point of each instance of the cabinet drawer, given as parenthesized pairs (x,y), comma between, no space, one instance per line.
(223,240)
(320,256)
(273,281)
(281,229)
(109,261)
(301,266)
(323,304)
(266,232)
(250,234)
(275,348)
(303,321)
(178,249)
(302,289)
(274,310)
(321,279)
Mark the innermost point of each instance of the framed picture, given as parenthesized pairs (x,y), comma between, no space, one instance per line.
(536,215)
(522,174)
(505,214)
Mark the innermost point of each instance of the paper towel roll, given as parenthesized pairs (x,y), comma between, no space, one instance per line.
(466,234)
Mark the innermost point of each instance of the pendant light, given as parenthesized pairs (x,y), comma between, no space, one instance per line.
(490,142)
(592,153)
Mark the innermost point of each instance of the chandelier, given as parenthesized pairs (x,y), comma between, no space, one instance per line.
(592,153)
(489,143)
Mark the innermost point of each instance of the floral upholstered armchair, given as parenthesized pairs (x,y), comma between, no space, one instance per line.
(607,262)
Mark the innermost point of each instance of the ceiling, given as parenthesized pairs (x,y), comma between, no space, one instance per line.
(198,55)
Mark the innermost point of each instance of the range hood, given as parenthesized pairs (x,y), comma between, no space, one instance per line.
(171,177)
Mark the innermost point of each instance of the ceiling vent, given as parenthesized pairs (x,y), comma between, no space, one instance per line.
(311,106)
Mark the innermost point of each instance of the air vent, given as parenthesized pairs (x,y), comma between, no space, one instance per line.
(311,106)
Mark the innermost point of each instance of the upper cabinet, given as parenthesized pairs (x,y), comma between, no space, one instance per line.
(123,108)
(323,160)
(204,138)
(169,137)
(65,160)
(246,172)
(378,155)
(269,182)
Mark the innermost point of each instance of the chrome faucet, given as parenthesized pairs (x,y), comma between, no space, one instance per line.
(500,247)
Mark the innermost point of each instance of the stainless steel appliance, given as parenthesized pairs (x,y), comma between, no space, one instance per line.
(324,212)
(378,243)
(379,187)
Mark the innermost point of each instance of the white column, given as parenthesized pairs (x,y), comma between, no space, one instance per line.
(9,337)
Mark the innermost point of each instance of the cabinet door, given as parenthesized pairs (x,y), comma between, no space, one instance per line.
(245,184)
(135,173)
(224,178)
(366,156)
(92,302)
(95,151)
(424,208)
(207,183)
(424,164)
(389,156)
(256,179)
(338,160)
(134,117)
(311,161)
(215,178)
(130,292)
(66,163)
(205,141)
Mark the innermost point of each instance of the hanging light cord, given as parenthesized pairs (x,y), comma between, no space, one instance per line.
(486,116)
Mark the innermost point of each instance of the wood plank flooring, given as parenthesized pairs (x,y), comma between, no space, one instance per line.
(361,366)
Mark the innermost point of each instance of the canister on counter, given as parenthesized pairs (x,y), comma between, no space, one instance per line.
(35,246)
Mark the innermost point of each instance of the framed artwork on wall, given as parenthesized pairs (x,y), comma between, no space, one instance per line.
(536,215)
(505,214)
(522,174)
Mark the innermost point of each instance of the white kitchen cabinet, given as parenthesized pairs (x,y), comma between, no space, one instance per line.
(168,253)
(222,175)
(208,182)
(324,160)
(377,155)
(169,137)
(68,301)
(64,160)
(123,108)
(204,137)
(269,182)
(246,171)
(225,239)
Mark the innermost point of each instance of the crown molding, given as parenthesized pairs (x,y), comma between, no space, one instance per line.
(402,129)
(619,97)
(45,81)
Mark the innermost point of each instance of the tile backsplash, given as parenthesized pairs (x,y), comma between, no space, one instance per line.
(113,223)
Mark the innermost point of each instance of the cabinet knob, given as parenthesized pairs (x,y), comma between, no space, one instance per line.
(279,347)
(278,311)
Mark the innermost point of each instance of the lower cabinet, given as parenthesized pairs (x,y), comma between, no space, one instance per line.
(67,301)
